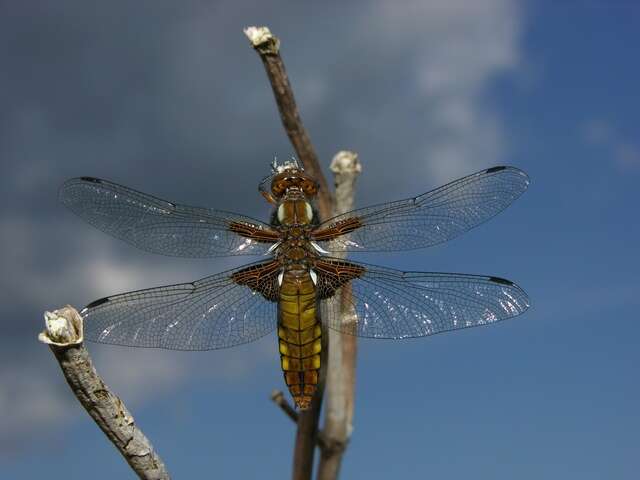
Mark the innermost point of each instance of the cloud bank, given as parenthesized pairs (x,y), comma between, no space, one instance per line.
(169,98)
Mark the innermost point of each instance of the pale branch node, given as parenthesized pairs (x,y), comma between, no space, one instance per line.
(64,335)
(346,161)
(63,327)
(268,47)
(262,38)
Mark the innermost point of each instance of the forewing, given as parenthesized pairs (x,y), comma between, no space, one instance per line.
(220,311)
(393,304)
(429,219)
(158,226)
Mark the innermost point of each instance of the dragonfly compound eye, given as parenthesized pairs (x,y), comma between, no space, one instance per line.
(309,187)
(278,187)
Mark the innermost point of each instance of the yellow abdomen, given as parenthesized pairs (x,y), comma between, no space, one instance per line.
(299,335)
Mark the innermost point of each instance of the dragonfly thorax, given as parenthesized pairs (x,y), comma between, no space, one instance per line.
(295,212)
(295,247)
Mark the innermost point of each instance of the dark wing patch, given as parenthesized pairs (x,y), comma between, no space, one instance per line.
(262,278)
(333,274)
(254,232)
(341,227)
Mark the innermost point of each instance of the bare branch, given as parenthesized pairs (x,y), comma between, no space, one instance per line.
(64,335)
(338,423)
(268,47)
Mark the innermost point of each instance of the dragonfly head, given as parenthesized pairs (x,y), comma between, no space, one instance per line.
(288,182)
(291,190)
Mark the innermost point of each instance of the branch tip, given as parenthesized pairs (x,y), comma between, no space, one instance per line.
(63,327)
(277,396)
(345,161)
(279,399)
(263,40)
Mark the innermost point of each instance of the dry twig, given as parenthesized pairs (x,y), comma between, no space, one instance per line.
(64,334)
(338,423)
(268,47)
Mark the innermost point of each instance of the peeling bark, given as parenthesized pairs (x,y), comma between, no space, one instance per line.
(63,334)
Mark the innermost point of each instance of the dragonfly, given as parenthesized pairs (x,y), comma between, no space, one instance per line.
(301,267)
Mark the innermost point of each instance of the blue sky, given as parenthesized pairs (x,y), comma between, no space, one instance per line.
(171,100)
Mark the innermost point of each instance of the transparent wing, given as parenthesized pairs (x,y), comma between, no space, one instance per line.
(394,304)
(158,226)
(429,219)
(219,311)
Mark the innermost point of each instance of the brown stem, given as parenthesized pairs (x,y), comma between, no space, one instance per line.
(268,47)
(280,400)
(306,439)
(64,337)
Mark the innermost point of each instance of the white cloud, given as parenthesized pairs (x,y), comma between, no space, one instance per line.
(446,54)
(434,59)
(604,134)
(31,386)
(459,48)
(627,155)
